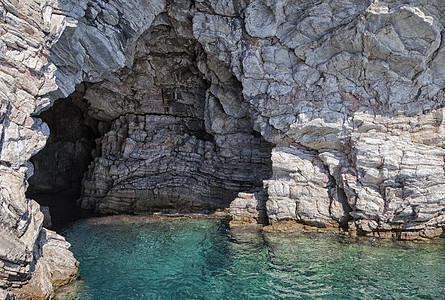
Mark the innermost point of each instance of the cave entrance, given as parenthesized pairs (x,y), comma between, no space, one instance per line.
(173,134)
(60,166)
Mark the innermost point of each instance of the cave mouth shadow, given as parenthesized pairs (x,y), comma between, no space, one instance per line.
(75,147)
(60,166)
(173,133)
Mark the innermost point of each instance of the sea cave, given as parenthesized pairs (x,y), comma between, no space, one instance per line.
(239,149)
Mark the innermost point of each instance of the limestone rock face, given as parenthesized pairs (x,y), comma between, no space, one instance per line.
(55,266)
(302,189)
(26,76)
(249,209)
(161,162)
(190,97)
(173,144)
(350,92)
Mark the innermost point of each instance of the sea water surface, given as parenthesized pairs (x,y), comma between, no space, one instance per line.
(186,258)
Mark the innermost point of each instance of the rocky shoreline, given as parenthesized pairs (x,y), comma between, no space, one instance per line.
(324,113)
(249,211)
(239,219)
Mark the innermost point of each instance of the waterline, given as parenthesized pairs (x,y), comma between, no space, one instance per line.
(187,258)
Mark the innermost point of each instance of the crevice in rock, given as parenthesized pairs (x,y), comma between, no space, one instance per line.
(339,202)
(59,167)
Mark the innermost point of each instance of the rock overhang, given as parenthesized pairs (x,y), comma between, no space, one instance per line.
(353,91)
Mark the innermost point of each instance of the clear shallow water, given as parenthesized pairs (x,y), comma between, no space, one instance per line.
(126,258)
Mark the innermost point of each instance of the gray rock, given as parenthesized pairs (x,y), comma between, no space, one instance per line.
(192,96)
(150,162)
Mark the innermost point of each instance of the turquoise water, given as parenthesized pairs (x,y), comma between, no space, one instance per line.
(148,258)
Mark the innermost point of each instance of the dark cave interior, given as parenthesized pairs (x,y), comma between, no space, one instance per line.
(167,136)
(60,166)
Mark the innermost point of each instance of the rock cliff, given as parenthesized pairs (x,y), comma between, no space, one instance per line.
(325,113)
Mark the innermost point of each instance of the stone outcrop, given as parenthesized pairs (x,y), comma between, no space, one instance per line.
(249,209)
(190,97)
(55,266)
(302,189)
(155,162)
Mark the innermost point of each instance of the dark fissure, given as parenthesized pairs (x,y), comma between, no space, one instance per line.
(59,168)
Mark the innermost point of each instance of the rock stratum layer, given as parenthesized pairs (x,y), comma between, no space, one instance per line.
(325,113)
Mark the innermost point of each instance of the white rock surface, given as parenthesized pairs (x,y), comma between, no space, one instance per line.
(249,208)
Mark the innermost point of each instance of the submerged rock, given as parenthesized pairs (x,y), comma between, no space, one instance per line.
(334,107)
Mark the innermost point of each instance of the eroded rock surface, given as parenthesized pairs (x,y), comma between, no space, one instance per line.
(190,97)
(249,209)
(302,189)
(173,144)
(25,77)
(160,162)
